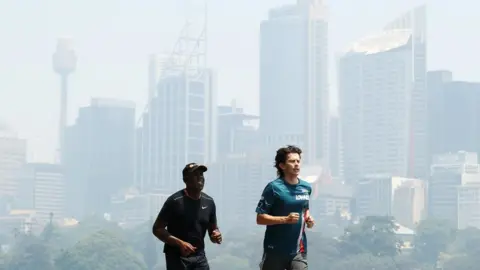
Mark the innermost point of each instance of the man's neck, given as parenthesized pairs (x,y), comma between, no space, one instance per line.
(194,194)
(291,179)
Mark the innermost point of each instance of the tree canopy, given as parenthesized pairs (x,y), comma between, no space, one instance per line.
(371,243)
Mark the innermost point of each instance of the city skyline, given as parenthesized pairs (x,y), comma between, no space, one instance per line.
(402,150)
(400,153)
(42,134)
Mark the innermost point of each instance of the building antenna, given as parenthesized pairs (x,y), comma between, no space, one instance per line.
(187,58)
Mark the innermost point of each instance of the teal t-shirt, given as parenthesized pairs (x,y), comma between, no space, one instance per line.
(280,199)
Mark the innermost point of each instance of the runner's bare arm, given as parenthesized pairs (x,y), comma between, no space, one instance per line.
(264,208)
(266,219)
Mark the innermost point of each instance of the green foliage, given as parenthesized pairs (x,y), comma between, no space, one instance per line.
(246,246)
(326,250)
(432,237)
(365,261)
(373,235)
(466,242)
(3,239)
(4,260)
(96,244)
(102,250)
(462,262)
(92,244)
(30,253)
(141,240)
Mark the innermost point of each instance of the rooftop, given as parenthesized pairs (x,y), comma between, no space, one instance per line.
(381,42)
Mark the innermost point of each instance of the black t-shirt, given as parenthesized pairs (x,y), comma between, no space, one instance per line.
(188,219)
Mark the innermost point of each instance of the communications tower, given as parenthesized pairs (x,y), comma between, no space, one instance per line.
(64,63)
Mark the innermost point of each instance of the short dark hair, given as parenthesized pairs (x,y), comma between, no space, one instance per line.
(281,157)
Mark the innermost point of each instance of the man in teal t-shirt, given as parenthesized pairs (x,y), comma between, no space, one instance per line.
(284,209)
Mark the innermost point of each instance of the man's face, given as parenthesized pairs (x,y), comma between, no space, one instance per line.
(195,180)
(292,165)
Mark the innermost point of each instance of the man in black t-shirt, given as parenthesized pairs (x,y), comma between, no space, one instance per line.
(183,221)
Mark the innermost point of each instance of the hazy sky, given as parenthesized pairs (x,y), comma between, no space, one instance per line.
(114,37)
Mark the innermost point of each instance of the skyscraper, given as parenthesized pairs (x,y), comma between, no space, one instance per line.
(383,101)
(335,148)
(181,130)
(454,114)
(236,132)
(13,152)
(99,155)
(178,125)
(293,78)
(436,80)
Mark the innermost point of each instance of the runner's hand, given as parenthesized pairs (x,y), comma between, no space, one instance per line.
(310,222)
(293,218)
(186,249)
(216,237)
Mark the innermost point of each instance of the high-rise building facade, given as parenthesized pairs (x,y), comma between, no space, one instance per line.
(453,189)
(236,131)
(436,81)
(44,190)
(454,114)
(399,197)
(236,182)
(294,78)
(13,152)
(335,163)
(180,127)
(178,124)
(383,101)
(100,153)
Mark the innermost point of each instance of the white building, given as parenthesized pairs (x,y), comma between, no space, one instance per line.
(469,205)
(454,189)
(384,195)
(43,187)
(132,208)
(383,101)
